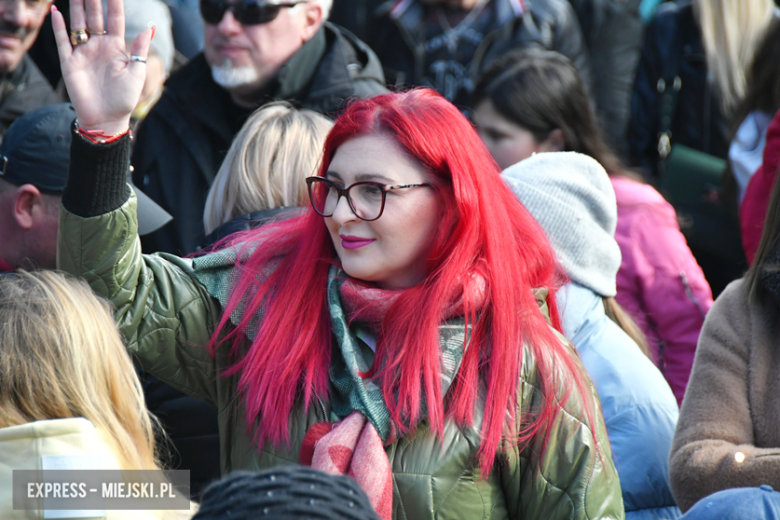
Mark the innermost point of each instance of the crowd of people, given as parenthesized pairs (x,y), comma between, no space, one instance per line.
(396,259)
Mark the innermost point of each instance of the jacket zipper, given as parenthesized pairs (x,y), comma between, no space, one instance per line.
(690,294)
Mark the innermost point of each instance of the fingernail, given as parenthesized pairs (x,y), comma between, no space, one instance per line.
(154,28)
(54,8)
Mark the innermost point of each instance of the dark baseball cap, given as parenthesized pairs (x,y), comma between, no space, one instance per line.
(36,150)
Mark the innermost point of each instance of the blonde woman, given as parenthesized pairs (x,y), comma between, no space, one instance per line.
(701,48)
(277,148)
(68,386)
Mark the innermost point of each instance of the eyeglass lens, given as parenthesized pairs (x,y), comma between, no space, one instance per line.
(246,12)
(364,199)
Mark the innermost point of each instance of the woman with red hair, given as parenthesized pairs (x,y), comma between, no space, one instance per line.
(400,331)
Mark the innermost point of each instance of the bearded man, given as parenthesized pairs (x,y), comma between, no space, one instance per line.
(255,51)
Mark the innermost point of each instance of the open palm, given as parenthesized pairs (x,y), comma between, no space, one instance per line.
(103,83)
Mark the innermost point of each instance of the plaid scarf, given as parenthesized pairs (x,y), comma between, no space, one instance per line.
(355,445)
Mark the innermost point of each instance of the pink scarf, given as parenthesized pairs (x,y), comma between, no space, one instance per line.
(353,447)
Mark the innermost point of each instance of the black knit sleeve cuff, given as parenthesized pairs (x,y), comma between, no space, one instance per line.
(97,179)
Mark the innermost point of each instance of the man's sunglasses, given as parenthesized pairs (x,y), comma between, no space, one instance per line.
(246,12)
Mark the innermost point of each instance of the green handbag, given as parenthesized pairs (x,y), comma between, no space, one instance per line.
(692,182)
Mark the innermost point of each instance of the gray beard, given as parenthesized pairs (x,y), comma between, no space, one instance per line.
(229,76)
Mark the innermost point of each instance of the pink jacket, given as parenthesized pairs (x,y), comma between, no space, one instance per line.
(659,282)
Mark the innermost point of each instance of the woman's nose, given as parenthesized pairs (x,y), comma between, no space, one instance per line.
(343,213)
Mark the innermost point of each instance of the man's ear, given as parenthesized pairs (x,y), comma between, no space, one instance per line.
(312,19)
(27,205)
(555,142)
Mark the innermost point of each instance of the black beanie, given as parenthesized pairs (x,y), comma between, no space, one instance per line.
(285,492)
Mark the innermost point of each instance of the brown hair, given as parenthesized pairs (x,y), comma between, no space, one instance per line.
(763,80)
(542,91)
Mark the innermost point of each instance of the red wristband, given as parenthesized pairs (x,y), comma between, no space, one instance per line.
(100,137)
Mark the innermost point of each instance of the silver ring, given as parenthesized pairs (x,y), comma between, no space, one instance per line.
(139,59)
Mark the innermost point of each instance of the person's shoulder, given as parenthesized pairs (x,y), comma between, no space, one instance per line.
(735,310)
(348,68)
(735,293)
(35,78)
(630,192)
(357,53)
(250,221)
(669,17)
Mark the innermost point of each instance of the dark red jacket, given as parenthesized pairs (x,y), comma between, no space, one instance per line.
(753,210)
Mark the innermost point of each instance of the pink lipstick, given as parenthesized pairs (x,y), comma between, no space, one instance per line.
(350,242)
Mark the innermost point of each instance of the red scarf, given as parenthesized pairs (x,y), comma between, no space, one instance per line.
(369,304)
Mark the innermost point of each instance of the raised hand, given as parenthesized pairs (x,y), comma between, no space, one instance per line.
(103,82)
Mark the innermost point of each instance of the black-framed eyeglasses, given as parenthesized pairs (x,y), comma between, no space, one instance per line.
(246,12)
(365,199)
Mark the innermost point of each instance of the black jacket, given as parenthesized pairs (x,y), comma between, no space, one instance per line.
(249,221)
(613,31)
(182,142)
(673,48)
(21,91)
(191,432)
(398,35)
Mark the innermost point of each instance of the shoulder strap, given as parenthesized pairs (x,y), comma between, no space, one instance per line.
(668,86)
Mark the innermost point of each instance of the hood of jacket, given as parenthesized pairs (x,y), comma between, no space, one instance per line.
(639,408)
(746,152)
(25,446)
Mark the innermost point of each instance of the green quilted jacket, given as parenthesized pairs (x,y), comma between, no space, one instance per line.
(167,316)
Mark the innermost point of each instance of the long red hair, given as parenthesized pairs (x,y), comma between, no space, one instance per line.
(483,228)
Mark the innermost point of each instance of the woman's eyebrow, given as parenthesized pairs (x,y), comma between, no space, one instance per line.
(373,177)
(362,177)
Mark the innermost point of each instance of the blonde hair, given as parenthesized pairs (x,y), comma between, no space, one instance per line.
(277,148)
(731,30)
(63,357)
